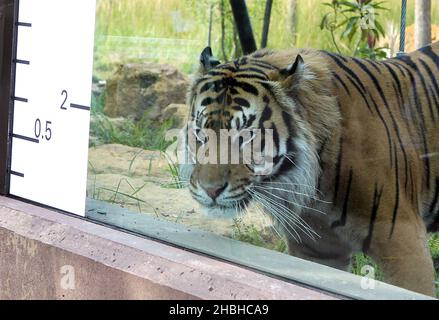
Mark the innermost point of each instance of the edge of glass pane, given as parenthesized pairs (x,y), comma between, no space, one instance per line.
(260,259)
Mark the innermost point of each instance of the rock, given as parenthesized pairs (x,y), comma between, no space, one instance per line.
(144,90)
(178,113)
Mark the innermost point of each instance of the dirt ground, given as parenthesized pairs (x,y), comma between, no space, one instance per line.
(140,180)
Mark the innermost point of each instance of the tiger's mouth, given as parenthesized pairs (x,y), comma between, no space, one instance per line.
(227,210)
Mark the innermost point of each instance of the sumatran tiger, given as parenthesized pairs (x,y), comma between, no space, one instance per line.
(356,153)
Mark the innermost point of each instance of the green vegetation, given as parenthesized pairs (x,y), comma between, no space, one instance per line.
(175,31)
(145,134)
(356,25)
(257,237)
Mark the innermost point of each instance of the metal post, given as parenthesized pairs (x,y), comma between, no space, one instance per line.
(403,27)
(8,13)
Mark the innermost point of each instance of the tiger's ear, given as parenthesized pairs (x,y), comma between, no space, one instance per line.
(207,60)
(292,75)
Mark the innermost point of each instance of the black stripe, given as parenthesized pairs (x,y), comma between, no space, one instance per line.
(374,64)
(336,76)
(427,93)
(216,73)
(396,207)
(19,61)
(23,24)
(209,100)
(249,76)
(276,138)
(263,64)
(242,102)
(251,69)
(426,151)
(80,107)
(428,51)
(435,197)
(246,87)
(418,107)
(371,75)
(335,55)
(399,94)
(18,174)
(265,116)
(343,217)
(355,80)
(216,85)
(18,136)
(432,79)
(381,93)
(249,121)
(20,99)
(338,170)
(376,203)
(408,128)
(349,71)
(238,108)
(226,67)
(395,124)
(286,117)
(389,138)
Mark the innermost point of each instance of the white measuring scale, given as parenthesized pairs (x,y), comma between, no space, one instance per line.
(51,114)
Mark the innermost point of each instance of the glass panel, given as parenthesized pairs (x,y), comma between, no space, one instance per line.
(335,160)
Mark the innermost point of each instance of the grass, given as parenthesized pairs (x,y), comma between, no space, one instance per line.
(145,134)
(251,234)
(175,31)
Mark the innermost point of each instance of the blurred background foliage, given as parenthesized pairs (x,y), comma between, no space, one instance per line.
(175,31)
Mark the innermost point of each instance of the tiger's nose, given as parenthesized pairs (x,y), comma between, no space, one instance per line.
(215,191)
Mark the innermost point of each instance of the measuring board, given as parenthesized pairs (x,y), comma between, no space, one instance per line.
(51,102)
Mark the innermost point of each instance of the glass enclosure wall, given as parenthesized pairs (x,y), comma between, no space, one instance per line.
(146,55)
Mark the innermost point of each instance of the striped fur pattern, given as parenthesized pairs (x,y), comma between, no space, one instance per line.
(357,153)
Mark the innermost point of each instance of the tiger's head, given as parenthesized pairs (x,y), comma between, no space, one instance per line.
(265,105)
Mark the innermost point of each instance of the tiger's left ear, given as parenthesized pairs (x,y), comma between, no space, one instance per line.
(293,73)
(207,61)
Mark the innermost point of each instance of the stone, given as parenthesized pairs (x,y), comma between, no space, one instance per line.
(143,90)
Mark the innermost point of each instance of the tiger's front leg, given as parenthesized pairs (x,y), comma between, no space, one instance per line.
(327,249)
(404,256)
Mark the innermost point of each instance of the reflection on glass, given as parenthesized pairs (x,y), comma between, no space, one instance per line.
(336,147)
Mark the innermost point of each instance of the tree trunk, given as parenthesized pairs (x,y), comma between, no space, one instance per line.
(422,23)
(292,19)
(266,27)
(243,24)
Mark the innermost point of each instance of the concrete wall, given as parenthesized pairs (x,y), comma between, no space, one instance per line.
(48,255)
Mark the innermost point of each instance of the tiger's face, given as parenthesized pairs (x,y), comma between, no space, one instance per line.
(242,134)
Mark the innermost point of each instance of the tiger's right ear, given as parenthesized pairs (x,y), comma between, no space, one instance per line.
(207,61)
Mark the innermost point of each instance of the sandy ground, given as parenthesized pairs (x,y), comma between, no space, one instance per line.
(140,180)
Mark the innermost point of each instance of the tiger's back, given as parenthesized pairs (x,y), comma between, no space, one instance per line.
(391,124)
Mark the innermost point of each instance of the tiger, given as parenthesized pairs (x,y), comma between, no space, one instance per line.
(355,153)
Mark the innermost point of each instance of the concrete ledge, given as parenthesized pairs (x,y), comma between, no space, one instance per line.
(48,255)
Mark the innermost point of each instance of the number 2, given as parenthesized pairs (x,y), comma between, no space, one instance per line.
(64,93)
